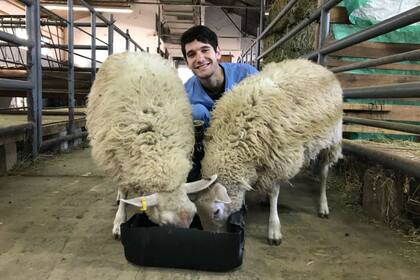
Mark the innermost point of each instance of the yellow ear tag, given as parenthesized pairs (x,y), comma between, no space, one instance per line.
(143,204)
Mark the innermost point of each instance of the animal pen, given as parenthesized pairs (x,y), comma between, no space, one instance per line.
(325,48)
(49,94)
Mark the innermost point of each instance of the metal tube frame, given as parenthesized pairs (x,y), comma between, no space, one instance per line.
(384,124)
(35,75)
(279,16)
(402,90)
(391,24)
(324,24)
(93,47)
(410,55)
(111,36)
(312,17)
(71,89)
(33,84)
(411,167)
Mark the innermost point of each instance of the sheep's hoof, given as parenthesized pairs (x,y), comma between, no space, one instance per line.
(116,232)
(274,242)
(323,216)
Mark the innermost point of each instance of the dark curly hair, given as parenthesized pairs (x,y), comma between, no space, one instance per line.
(200,33)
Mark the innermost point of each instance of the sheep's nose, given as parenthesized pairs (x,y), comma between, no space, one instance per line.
(186,218)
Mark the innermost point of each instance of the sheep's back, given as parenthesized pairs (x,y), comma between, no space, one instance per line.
(270,119)
(139,122)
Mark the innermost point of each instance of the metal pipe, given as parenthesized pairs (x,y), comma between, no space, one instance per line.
(16,129)
(136,46)
(33,16)
(15,84)
(171,3)
(257,62)
(279,16)
(99,15)
(64,47)
(409,128)
(391,24)
(411,55)
(389,160)
(312,17)
(111,36)
(93,42)
(71,90)
(27,2)
(22,22)
(324,24)
(402,90)
(48,143)
(159,31)
(4,36)
(260,30)
(76,47)
(127,40)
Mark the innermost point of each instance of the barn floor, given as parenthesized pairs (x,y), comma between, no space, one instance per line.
(56,217)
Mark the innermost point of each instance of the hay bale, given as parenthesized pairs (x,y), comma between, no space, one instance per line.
(301,43)
(383,194)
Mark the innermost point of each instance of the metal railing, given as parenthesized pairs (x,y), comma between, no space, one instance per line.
(401,90)
(62,57)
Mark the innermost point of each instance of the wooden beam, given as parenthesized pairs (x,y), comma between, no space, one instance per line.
(375,50)
(339,15)
(334,62)
(354,80)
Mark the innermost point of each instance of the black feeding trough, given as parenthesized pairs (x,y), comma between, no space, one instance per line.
(147,244)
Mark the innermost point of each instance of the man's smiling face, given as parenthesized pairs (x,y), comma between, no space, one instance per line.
(202,59)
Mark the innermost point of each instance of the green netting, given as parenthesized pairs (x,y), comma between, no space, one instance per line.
(362,14)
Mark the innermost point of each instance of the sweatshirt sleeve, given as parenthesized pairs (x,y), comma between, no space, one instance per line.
(201,113)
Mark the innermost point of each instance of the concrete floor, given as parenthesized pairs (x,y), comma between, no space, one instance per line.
(56,219)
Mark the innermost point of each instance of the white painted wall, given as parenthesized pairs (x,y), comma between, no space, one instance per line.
(217,21)
(184,73)
(141,25)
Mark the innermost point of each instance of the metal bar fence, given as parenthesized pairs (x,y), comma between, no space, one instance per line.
(33,22)
(35,75)
(401,90)
(71,90)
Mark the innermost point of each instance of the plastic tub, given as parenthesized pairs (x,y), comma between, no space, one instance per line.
(147,244)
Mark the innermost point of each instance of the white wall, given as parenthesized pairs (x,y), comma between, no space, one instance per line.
(141,25)
(184,73)
(217,21)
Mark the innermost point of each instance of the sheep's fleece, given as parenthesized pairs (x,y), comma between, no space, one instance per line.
(140,123)
(267,127)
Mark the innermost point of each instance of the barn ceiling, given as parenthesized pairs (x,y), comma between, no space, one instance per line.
(178,15)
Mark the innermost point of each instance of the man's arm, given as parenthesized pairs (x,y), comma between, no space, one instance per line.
(200,112)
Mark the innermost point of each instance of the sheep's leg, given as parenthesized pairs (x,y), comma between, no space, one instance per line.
(323,169)
(117,200)
(274,228)
(120,216)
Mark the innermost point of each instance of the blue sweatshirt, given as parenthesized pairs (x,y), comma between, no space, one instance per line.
(201,103)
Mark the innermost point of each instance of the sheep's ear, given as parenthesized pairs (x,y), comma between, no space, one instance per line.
(246,186)
(200,185)
(143,202)
(220,194)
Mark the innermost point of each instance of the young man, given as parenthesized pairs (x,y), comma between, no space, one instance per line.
(211,79)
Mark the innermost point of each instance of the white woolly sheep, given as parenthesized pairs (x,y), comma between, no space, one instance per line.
(141,132)
(263,132)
